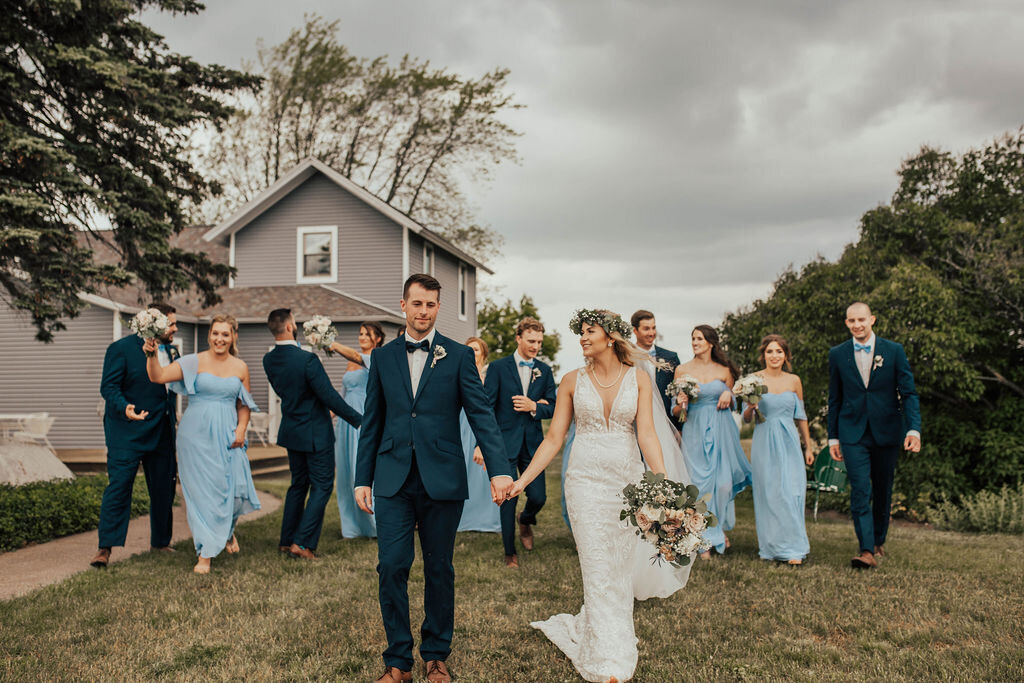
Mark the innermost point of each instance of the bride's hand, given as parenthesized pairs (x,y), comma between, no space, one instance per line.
(517,487)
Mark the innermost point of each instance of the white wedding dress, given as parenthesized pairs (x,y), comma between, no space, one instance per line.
(614,562)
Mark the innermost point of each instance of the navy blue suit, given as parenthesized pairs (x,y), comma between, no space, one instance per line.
(307,432)
(131,442)
(664,377)
(410,451)
(522,433)
(871,423)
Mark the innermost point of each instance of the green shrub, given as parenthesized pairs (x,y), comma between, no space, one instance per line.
(42,511)
(999,511)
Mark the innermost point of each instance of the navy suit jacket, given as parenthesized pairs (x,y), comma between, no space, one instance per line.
(889,402)
(307,395)
(125,381)
(664,377)
(398,427)
(502,383)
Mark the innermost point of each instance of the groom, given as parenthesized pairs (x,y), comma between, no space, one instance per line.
(870,389)
(410,452)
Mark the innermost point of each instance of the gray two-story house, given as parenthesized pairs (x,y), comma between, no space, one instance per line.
(314,242)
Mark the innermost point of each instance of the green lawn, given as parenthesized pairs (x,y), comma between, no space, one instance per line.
(943,606)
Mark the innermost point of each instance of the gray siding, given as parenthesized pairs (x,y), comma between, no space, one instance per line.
(369,244)
(62,378)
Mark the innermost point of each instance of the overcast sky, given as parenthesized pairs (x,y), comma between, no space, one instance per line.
(677,156)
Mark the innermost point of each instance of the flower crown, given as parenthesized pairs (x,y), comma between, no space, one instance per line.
(609,322)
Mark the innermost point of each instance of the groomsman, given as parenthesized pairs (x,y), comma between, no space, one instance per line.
(522,392)
(138,426)
(306,430)
(871,389)
(646,331)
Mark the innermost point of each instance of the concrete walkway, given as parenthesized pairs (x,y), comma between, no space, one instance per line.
(23,571)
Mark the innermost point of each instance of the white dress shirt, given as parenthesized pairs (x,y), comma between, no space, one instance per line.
(525,372)
(418,359)
(286,342)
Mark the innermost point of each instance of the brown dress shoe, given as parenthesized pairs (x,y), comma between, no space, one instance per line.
(512,561)
(864,561)
(284,548)
(102,558)
(393,674)
(526,535)
(437,672)
(301,553)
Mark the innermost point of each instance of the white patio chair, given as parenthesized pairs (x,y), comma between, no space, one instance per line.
(36,428)
(259,425)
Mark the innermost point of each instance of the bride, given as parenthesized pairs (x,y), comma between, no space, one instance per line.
(607,397)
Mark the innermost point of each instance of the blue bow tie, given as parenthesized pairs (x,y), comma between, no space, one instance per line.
(416,346)
(526,363)
(866,348)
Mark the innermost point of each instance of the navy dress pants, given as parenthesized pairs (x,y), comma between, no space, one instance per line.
(397,520)
(870,468)
(313,474)
(161,471)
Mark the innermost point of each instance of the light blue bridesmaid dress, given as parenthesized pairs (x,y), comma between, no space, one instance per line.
(715,458)
(780,482)
(354,522)
(215,479)
(479,513)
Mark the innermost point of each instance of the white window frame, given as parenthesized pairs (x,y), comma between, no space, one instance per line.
(463,291)
(428,248)
(300,237)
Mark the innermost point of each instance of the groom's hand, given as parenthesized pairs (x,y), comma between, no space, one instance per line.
(364,499)
(500,487)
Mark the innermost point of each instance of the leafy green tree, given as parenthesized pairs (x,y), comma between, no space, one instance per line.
(497,323)
(942,266)
(95,112)
(410,133)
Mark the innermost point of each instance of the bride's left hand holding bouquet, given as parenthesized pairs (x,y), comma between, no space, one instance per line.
(320,332)
(149,323)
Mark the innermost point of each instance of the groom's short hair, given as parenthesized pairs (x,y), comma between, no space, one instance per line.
(639,317)
(277,320)
(427,282)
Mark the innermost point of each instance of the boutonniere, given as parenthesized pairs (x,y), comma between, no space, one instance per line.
(439,353)
(535,374)
(878,362)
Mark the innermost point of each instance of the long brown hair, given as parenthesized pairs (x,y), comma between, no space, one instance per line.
(375,331)
(232,323)
(783,344)
(718,354)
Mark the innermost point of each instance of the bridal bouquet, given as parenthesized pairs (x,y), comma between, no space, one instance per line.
(669,515)
(319,331)
(687,384)
(750,389)
(150,323)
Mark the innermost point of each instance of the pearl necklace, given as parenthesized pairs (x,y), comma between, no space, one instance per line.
(608,386)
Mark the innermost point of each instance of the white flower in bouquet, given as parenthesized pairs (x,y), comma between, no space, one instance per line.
(320,332)
(150,323)
(750,389)
(687,384)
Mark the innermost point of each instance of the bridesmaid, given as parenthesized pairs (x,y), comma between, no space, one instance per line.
(780,482)
(711,438)
(479,513)
(212,463)
(354,522)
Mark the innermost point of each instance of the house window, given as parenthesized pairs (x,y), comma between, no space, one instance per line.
(463,292)
(428,259)
(317,251)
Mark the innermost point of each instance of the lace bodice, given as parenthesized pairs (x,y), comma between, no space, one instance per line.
(589,408)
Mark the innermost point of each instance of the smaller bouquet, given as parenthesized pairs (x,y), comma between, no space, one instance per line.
(750,389)
(320,332)
(687,384)
(150,323)
(670,516)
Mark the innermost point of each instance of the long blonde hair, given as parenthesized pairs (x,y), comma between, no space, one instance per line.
(232,323)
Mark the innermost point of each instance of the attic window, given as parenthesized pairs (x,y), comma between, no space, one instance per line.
(317,251)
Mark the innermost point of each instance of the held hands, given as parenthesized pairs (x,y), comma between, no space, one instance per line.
(364,499)
(835,452)
(500,487)
(522,404)
(912,443)
(725,400)
(517,487)
(130,413)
